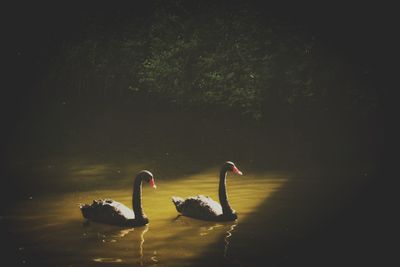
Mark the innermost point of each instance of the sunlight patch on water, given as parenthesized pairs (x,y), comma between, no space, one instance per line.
(54,224)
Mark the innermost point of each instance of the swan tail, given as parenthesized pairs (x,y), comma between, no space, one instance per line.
(178,203)
(83,206)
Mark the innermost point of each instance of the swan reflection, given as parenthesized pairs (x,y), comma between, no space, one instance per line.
(226,239)
(95,231)
(207,231)
(143,232)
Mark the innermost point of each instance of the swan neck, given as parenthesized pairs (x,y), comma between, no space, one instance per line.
(223,196)
(137,198)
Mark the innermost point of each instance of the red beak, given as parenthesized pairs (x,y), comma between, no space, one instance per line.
(236,170)
(152,183)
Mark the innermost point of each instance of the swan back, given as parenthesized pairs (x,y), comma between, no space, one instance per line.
(107,211)
(201,207)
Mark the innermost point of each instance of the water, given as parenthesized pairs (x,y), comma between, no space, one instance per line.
(49,230)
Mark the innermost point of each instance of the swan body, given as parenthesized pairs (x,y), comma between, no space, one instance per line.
(113,212)
(205,208)
(198,206)
(108,211)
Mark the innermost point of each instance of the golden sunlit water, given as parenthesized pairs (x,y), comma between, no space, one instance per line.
(52,231)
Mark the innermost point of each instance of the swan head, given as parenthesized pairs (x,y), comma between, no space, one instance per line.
(230,166)
(148,177)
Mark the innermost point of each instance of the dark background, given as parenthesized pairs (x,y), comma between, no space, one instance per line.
(363,33)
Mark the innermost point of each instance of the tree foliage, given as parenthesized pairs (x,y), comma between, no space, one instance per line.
(205,54)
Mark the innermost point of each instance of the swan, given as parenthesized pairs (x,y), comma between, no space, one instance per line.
(203,207)
(112,212)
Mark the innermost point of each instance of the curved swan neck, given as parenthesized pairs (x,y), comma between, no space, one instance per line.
(137,198)
(223,196)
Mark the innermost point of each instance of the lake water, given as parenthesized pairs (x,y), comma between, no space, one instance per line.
(49,230)
(279,212)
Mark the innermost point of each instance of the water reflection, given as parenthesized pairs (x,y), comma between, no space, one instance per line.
(145,229)
(103,233)
(197,231)
(100,233)
(226,239)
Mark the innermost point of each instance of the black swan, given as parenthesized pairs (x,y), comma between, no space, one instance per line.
(205,208)
(112,212)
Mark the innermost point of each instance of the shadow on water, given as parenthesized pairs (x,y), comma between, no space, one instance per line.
(74,243)
(107,152)
(315,219)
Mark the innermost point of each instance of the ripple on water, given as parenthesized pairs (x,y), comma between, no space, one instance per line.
(107,260)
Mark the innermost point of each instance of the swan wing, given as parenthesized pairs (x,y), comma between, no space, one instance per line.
(123,210)
(107,210)
(200,206)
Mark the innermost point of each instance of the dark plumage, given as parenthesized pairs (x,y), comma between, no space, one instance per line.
(204,207)
(112,212)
